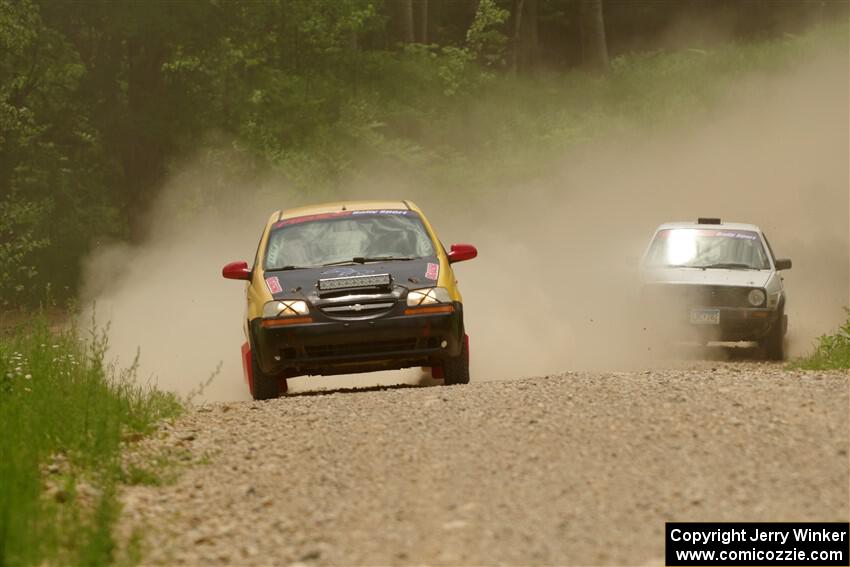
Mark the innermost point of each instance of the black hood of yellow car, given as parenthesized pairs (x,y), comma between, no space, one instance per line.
(303,283)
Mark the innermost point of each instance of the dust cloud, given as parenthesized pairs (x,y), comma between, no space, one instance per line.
(552,289)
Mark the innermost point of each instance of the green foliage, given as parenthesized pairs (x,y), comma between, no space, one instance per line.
(454,69)
(63,413)
(485,39)
(54,181)
(139,475)
(486,132)
(19,220)
(832,352)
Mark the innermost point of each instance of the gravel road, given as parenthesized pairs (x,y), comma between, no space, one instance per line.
(577,468)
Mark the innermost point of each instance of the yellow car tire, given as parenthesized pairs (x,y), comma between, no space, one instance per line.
(263,386)
(456,368)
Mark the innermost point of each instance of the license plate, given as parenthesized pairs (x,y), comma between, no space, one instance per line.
(705,316)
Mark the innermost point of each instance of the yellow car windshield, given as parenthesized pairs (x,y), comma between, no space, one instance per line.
(347,236)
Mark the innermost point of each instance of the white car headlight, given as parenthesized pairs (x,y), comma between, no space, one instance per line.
(427,296)
(285,308)
(756,297)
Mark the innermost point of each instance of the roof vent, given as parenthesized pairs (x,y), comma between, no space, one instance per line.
(703,220)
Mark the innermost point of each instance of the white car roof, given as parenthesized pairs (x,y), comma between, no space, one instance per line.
(722,225)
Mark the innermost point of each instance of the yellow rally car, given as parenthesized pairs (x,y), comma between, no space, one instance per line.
(351,287)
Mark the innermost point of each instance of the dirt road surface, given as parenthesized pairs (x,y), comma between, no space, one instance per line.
(578,468)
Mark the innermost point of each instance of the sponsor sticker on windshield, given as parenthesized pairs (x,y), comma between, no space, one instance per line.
(274,284)
(744,235)
(741,234)
(339,214)
(432,271)
(382,212)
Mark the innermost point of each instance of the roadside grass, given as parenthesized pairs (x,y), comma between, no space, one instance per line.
(64,414)
(158,470)
(832,352)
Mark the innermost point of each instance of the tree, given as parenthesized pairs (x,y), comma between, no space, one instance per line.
(594,49)
(142,106)
(51,177)
(525,35)
(483,39)
(422,21)
(405,21)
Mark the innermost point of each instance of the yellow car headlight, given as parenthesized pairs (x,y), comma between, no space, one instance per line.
(285,308)
(427,296)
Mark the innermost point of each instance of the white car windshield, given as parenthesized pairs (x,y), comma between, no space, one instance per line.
(701,248)
(347,236)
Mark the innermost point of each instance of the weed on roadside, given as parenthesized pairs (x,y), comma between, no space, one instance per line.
(832,351)
(64,412)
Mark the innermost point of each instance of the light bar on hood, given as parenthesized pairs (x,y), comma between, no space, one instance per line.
(354,282)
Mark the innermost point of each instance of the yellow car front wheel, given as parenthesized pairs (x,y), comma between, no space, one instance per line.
(456,368)
(263,386)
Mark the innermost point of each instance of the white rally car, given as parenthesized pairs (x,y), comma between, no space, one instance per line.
(716,281)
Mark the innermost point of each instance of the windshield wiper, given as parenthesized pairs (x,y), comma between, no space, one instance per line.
(365,259)
(284,268)
(729,265)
